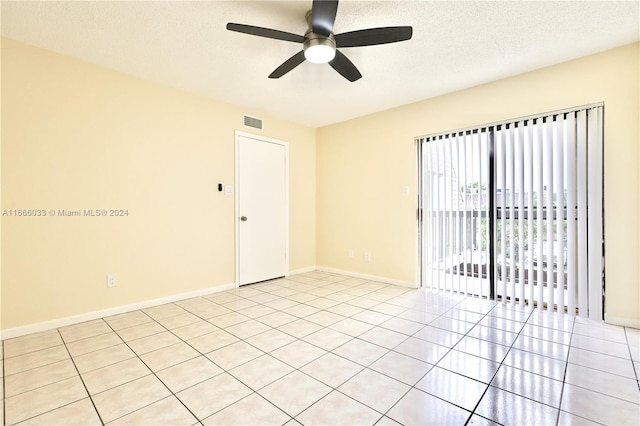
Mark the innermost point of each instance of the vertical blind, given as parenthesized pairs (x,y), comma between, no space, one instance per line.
(513,211)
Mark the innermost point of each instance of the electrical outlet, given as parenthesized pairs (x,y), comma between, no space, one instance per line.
(351,254)
(112,280)
(367,256)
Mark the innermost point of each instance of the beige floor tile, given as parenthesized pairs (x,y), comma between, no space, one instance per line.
(371,317)
(102,358)
(128,319)
(258,310)
(28,380)
(79,413)
(610,364)
(568,419)
(383,337)
(529,385)
(420,408)
(169,411)
(118,401)
(41,400)
(90,344)
(544,333)
(598,407)
(298,353)
(482,348)
(139,331)
(374,390)
(362,352)
(188,373)
(247,329)
(344,309)
(388,308)
(351,327)
(227,320)
(338,409)
(421,349)
(327,339)
(234,355)
(386,421)
(83,330)
(180,320)
(459,390)
(249,411)
(260,371)
(322,303)
(195,329)
(277,319)
(212,341)
(114,375)
(207,309)
(270,340)
(31,360)
(300,328)
(469,365)
(213,395)
(542,347)
(164,311)
(401,325)
(603,382)
(151,343)
(401,367)
(509,409)
(534,363)
(295,392)
(171,355)
(14,347)
(602,331)
(332,369)
(301,310)
(324,318)
(443,337)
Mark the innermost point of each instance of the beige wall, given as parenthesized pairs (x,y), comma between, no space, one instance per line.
(363,164)
(78,136)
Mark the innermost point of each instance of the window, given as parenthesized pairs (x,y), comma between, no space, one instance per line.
(513,211)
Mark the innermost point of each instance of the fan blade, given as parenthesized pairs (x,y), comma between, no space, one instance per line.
(323,15)
(265,32)
(345,67)
(373,36)
(288,65)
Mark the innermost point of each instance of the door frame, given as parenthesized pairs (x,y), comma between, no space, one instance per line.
(264,139)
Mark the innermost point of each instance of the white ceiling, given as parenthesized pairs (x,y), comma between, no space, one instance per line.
(455,45)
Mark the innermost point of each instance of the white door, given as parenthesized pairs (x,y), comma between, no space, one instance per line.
(262,209)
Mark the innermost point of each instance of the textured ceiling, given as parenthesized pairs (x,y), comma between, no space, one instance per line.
(455,45)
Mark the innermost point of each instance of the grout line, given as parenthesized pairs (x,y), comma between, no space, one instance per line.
(81,378)
(155,375)
(633,364)
(564,376)
(439,311)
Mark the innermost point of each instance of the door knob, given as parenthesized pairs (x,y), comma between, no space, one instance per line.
(243,218)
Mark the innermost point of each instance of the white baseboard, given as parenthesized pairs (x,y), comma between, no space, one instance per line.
(62,322)
(623,322)
(303,270)
(368,277)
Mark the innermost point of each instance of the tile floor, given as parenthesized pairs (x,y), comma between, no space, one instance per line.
(321,348)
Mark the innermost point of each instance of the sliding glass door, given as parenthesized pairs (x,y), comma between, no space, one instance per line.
(513,211)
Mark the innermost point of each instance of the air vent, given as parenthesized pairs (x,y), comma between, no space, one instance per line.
(253,122)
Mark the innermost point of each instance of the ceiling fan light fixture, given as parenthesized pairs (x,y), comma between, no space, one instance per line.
(319,50)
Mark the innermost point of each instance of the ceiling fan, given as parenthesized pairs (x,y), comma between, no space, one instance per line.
(319,43)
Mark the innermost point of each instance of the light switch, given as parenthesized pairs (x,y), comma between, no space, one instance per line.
(405,190)
(228,189)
